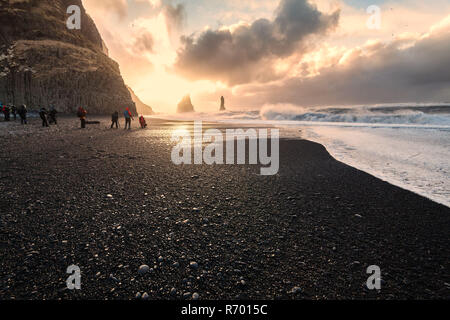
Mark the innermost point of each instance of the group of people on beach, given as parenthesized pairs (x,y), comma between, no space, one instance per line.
(10,109)
(82,113)
(128,118)
(48,117)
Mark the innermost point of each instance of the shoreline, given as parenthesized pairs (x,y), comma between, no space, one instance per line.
(290,130)
(288,134)
(317,225)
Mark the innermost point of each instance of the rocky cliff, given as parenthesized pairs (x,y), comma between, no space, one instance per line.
(141,108)
(44,63)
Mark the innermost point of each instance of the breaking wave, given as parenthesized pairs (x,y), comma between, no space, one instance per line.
(399,114)
(407,145)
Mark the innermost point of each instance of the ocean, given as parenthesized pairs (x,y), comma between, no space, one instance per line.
(407,145)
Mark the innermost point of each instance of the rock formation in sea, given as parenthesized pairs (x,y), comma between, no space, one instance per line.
(141,108)
(185,105)
(44,63)
(222,104)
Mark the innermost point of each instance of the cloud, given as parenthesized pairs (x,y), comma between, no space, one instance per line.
(132,64)
(175,17)
(144,43)
(410,68)
(248,52)
(119,7)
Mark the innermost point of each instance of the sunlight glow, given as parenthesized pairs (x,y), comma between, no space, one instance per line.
(162,88)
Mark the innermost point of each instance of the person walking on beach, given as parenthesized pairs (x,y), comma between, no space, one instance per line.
(23,114)
(43,114)
(52,115)
(82,115)
(115,120)
(128,117)
(142,122)
(14,112)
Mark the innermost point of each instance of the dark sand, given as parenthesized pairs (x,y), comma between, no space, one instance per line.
(297,229)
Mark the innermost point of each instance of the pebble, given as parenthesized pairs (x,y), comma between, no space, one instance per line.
(296,290)
(187,295)
(195,296)
(145,296)
(111,277)
(173,292)
(193,265)
(144,269)
(160,259)
(138,295)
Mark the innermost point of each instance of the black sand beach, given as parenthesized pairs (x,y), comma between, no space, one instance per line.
(315,226)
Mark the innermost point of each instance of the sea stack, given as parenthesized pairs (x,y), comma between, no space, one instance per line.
(185,105)
(43,62)
(222,104)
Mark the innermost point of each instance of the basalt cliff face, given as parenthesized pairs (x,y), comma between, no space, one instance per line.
(44,63)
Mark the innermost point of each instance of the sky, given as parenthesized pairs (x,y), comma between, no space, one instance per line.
(278,52)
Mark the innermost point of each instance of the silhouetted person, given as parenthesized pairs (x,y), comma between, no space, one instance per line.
(52,115)
(14,111)
(128,117)
(142,122)
(82,115)
(23,114)
(43,114)
(115,120)
(6,112)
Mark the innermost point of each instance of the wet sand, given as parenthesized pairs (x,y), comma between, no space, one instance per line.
(110,201)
